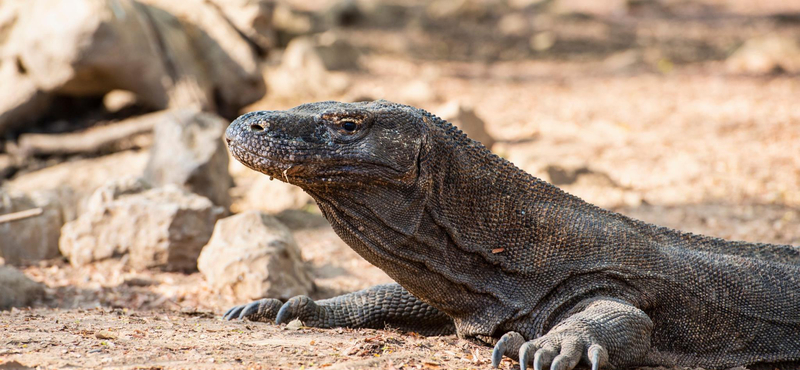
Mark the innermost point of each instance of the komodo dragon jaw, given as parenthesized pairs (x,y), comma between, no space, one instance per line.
(481,248)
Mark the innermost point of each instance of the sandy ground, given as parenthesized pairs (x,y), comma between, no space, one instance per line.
(127,339)
(662,134)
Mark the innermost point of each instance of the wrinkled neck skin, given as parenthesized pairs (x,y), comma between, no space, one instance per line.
(450,233)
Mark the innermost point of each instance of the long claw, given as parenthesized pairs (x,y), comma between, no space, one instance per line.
(284,314)
(249,309)
(561,362)
(225,315)
(498,351)
(233,313)
(526,352)
(597,356)
(542,357)
(508,345)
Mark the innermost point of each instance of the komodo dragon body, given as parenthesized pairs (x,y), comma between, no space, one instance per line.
(483,249)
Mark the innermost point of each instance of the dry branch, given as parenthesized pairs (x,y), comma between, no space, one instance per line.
(14,216)
(91,140)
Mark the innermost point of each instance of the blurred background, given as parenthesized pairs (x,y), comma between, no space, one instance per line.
(113,176)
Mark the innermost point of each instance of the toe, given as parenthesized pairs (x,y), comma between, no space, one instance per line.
(507,345)
(564,362)
(598,356)
(249,310)
(293,309)
(543,357)
(526,355)
(498,352)
(569,356)
(227,313)
(264,310)
(233,313)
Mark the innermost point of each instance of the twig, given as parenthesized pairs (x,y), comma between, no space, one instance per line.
(8,217)
(92,139)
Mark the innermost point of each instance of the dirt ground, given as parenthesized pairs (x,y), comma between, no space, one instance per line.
(646,122)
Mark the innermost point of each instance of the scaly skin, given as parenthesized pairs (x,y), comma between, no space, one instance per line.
(509,259)
(376,308)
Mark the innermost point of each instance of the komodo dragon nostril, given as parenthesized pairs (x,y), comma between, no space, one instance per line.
(256,128)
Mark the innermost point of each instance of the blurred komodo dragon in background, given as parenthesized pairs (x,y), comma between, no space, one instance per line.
(483,249)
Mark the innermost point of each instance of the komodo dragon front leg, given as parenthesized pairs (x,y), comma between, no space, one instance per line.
(601,332)
(376,307)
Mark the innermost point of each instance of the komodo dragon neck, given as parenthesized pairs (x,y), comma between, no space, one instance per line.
(469,223)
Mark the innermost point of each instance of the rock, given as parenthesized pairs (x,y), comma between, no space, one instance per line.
(605,8)
(117,100)
(514,24)
(295,324)
(117,188)
(16,289)
(465,118)
(766,55)
(34,238)
(542,41)
(74,191)
(253,18)
(22,104)
(25,102)
(304,221)
(7,166)
(256,256)
(289,23)
(342,13)
(624,61)
(273,196)
(84,47)
(9,11)
(469,9)
(188,151)
(162,227)
(170,54)
(336,52)
(230,62)
(302,73)
(105,334)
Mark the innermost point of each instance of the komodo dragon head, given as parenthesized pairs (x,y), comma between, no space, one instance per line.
(329,146)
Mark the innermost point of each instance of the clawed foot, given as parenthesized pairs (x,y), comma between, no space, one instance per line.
(264,310)
(275,311)
(556,351)
(561,354)
(508,346)
(603,333)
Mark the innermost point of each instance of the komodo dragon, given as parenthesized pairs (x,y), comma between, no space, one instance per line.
(483,249)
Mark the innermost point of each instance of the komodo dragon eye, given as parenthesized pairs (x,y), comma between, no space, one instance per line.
(349,126)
